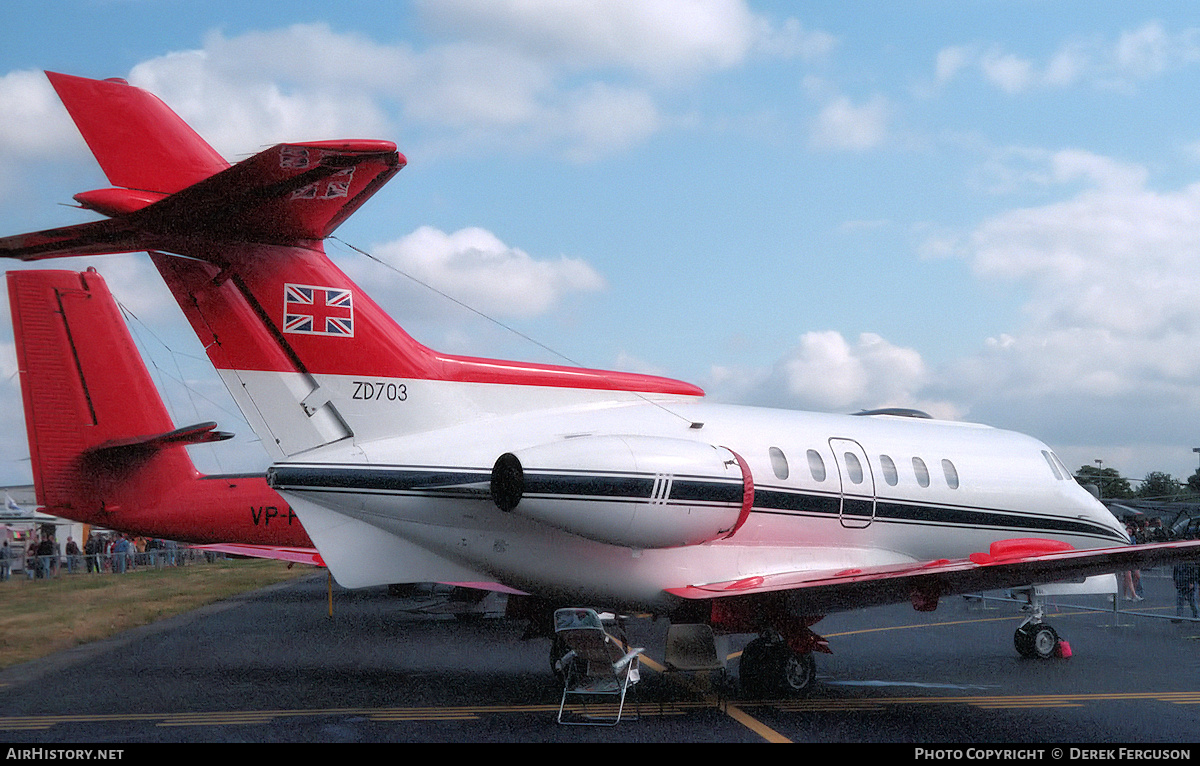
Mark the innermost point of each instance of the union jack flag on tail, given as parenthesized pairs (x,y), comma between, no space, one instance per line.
(310,310)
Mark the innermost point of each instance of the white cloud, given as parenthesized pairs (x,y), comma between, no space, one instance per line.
(1120,258)
(1110,344)
(1103,172)
(825,372)
(1068,65)
(1144,52)
(508,75)
(475,267)
(824,368)
(1018,169)
(1108,347)
(239,114)
(657,39)
(34,130)
(792,40)
(605,118)
(951,61)
(1135,55)
(1006,71)
(32,120)
(845,125)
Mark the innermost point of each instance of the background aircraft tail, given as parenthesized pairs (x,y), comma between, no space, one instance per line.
(309,358)
(92,412)
(102,446)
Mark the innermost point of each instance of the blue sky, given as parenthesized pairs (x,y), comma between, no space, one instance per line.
(986,210)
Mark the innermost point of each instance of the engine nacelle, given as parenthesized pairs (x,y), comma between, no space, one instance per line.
(632,491)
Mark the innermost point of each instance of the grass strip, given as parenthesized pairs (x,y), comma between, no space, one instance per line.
(40,617)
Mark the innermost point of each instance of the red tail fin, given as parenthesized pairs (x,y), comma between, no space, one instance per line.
(83,382)
(103,448)
(153,150)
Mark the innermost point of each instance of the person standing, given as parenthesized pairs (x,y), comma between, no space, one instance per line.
(91,553)
(1186,576)
(72,551)
(119,550)
(45,557)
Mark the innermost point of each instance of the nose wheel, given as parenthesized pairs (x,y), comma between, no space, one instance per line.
(1036,641)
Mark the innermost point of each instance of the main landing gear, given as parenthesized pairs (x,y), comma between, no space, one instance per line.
(771,667)
(1035,639)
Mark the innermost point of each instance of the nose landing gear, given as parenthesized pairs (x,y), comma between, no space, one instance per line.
(1035,639)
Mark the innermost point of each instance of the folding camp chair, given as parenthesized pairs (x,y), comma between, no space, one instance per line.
(594,664)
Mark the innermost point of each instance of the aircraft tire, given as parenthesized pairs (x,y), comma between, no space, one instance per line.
(753,670)
(1036,641)
(772,668)
(798,673)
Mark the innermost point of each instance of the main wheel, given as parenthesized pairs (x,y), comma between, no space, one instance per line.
(771,668)
(754,670)
(1036,641)
(799,673)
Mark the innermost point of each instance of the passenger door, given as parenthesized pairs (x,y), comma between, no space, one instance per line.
(857,508)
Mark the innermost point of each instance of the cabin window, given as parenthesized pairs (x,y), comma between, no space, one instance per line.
(816,466)
(1050,462)
(854,469)
(921,471)
(779,463)
(951,474)
(889,470)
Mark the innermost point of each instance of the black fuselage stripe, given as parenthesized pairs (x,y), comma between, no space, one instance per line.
(792,503)
(372,478)
(580,486)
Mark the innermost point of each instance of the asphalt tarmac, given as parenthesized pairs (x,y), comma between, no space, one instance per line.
(273,666)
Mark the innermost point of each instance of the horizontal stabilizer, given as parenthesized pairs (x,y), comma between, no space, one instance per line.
(97,238)
(287,194)
(201,433)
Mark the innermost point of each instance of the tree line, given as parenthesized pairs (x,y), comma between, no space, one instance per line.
(1157,485)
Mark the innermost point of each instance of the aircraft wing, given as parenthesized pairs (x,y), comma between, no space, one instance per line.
(277,552)
(1010,563)
(311,556)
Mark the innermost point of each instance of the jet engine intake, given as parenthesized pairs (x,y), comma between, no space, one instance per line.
(632,491)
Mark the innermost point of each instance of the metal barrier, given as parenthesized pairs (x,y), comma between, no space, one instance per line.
(1115,606)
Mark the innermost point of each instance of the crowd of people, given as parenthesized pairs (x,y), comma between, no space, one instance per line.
(1185,575)
(115,553)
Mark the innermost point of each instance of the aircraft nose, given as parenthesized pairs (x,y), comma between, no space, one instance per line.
(1111,522)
